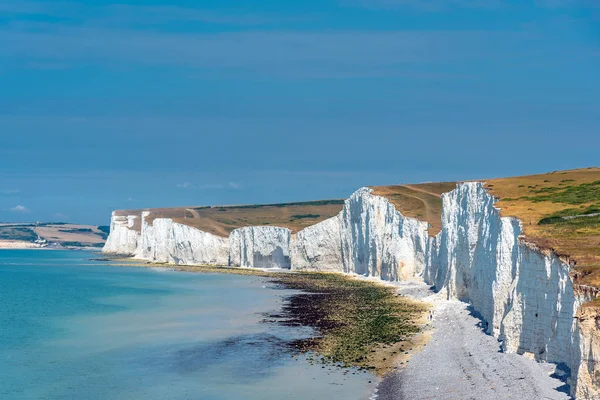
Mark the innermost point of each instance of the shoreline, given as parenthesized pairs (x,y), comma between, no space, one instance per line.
(361,323)
(461,361)
(8,245)
(19,245)
(449,357)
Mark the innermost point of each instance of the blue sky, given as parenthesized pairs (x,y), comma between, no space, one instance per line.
(133,104)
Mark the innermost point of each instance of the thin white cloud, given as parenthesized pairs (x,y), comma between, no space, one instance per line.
(442,5)
(208,186)
(568,3)
(428,5)
(161,14)
(8,192)
(126,14)
(19,209)
(272,53)
(59,216)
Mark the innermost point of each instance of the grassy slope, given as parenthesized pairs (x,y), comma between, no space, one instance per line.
(546,197)
(222,220)
(560,211)
(422,201)
(549,198)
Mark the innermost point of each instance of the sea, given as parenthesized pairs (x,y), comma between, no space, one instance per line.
(75,328)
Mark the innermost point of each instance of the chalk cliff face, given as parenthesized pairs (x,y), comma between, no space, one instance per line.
(166,241)
(369,237)
(123,239)
(525,296)
(378,241)
(588,377)
(319,247)
(260,247)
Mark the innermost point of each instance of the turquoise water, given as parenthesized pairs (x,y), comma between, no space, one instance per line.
(71,328)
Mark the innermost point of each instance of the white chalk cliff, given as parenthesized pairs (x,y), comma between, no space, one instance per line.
(260,247)
(368,237)
(525,296)
(166,241)
(123,239)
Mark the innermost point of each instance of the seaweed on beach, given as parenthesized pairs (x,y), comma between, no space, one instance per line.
(359,323)
(354,318)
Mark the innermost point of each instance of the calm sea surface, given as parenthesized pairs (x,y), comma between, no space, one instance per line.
(71,328)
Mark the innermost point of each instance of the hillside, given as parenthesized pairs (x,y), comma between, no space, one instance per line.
(561,211)
(67,235)
(221,220)
(422,201)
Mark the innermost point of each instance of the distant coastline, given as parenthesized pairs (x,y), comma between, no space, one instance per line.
(18,245)
(52,236)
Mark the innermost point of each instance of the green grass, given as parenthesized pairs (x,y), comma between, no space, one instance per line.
(303,203)
(77,230)
(354,317)
(576,216)
(80,244)
(575,223)
(18,233)
(305,216)
(580,194)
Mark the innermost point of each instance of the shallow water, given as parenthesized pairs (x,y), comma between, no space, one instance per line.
(71,328)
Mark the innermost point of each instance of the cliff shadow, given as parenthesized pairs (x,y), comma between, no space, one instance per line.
(562,372)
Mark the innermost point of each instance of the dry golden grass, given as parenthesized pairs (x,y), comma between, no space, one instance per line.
(221,221)
(529,198)
(72,235)
(517,198)
(84,234)
(422,201)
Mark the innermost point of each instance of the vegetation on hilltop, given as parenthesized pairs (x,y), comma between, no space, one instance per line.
(66,234)
(21,233)
(559,211)
(422,201)
(221,220)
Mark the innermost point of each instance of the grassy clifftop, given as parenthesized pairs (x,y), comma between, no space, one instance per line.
(221,220)
(422,201)
(561,211)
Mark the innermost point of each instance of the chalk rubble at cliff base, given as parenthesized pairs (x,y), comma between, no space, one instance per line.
(526,297)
